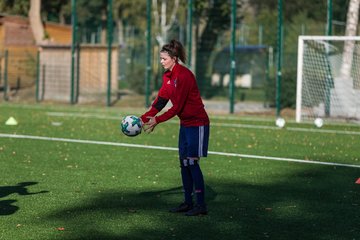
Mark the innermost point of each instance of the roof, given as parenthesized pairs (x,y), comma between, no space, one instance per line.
(22,19)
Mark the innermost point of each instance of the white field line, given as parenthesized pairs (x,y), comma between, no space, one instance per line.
(323,131)
(236,125)
(81,115)
(3,135)
(287,128)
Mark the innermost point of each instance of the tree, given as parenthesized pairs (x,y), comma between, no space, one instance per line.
(18,7)
(36,24)
(351,28)
(162,23)
(212,20)
(129,14)
(56,11)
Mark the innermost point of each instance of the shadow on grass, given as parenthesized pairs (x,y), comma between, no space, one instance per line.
(6,207)
(315,204)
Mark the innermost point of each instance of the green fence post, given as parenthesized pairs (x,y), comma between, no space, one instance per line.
(232,55)
(110,40)
(189,31)
(328,81)
(260,34)
(279,59)
(148,54)
(267,77)
(329,18)
(77,72)
(73,43)
(37,76)
(43,73)
(6,74)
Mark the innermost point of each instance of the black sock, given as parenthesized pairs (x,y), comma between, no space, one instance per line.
(187,184)
(198,180)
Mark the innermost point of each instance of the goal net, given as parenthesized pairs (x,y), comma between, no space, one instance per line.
(328,78)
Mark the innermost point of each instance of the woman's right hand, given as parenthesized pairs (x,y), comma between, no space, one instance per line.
(150,125)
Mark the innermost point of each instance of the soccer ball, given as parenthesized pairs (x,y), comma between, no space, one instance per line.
(280,122)
(318,122)
(131,126)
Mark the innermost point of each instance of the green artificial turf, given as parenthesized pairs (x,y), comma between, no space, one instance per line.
(97,189)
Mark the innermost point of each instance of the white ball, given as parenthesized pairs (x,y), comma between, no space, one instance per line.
(318,122)
(131,126)
(280,122)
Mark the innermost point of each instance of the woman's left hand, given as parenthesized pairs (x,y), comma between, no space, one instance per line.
(150,125)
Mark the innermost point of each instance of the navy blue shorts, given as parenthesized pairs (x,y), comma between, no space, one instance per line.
(193,141)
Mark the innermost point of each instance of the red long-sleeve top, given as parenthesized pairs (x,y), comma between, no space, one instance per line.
(180,87)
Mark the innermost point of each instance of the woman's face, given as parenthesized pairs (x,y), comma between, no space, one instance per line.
(166,61)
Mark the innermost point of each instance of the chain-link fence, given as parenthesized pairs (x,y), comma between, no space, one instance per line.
(83,71)
(73,64)
(90,80)
(17,73)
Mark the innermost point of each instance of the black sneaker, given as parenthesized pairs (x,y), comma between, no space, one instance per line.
(184,207)
(197,210)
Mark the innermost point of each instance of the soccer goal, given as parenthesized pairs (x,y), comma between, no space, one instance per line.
(328,78)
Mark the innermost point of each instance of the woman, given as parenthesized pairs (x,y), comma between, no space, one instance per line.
(180,87)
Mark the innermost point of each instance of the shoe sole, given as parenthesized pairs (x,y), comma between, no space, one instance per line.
(200,214)
(182,211)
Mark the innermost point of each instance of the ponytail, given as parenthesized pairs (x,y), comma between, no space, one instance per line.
(175,49)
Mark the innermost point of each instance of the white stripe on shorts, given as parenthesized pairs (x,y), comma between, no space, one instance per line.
(201,140)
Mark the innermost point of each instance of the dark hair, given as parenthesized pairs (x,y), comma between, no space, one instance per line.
(175,49)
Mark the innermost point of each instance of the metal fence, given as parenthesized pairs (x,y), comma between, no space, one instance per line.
(216,45)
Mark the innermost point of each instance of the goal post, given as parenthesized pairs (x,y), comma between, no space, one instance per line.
(328,78)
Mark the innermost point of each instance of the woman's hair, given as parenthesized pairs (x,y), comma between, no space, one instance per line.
(175,49)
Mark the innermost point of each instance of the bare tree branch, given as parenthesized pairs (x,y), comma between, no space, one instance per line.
(161,20)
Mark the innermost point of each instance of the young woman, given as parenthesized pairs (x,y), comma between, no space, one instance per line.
(180,87)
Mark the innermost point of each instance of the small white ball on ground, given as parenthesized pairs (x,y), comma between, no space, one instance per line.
(319,122)
(280,122)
